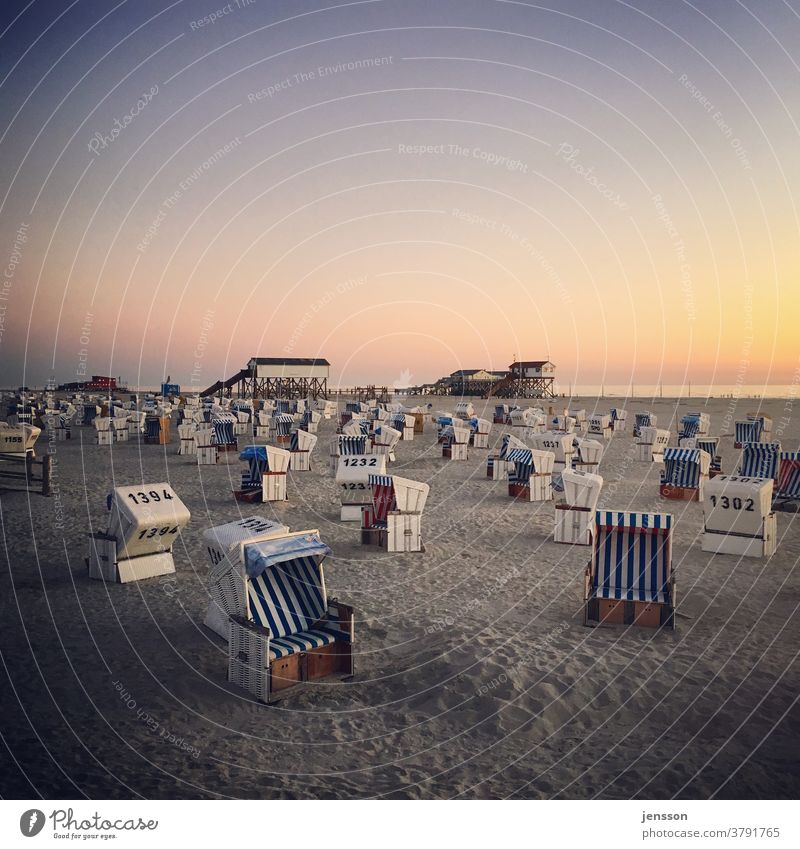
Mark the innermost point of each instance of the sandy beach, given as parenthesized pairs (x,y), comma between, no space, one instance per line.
(475,677)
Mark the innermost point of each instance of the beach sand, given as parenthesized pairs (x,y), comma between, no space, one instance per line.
(475,676)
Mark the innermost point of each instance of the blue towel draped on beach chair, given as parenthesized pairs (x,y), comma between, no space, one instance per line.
(759,460)
(681,467)
(632,556)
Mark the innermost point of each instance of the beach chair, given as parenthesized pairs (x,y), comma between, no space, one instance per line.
(642,420)
(206,449)
(599,425)
(694,425)
(393,519)
(561,444)
(501,414)
(709,444)
(479,432)
(310,421)
(587,454)
(224,436)
(497,465)
(289,631)
(575,514)
(685,474)
(385,440)
(442,422)
(301,446)
(263,421)
(561,424)
(226,587)
(103,435)
(579,415)
(343,445)
(119,428)
(144,522)
(737,516)
(787,489)
(759,460)
(455,440)
(619,419)
(532,475)
(187,444)
(329,409)
(403,422)
(747,431)
(282,426)
(156,429)
(464,410)
(650,444)
(629,580)
(521,417)
(265,478)
(352,479)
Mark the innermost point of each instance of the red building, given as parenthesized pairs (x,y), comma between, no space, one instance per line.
(98,383)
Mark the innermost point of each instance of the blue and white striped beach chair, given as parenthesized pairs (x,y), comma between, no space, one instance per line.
(290,631)
(747,431)
(759,460)
(684,474)
(643,420)
(224,437)
(532,475)
(629,580)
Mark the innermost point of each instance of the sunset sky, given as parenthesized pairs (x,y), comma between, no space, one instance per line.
(405,188)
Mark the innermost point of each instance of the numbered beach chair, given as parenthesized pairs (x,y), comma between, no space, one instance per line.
(464,410)
(650,444)
(352,479)
(265,478)
(289,632)
(787,490)
(642,420)
(145,520)
(587,454)
(759,460)
(685,474)
(575,514)
(629,580)
(737,516)
(561,444)
(301,446)
(619,419)
(393,520)
(532,475)
(343,445)
(226,585)
(455,440)
(599,425)
(497,465)
(479,432)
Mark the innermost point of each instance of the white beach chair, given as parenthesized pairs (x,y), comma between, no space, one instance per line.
(575,515)
(738,517)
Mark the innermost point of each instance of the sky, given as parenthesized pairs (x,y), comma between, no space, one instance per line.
(404,188)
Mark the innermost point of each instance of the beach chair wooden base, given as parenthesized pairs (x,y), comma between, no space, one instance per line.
(207,455)
(419,422)
(262,431)
(102,563)
(679,493)
(573,525)
(226,447)
(373,536)
(283,440)
(249,666)
(62,434)
(274,486)
(248,496)
(240,428)
(538,488)
(741,545)
(187,446)
(456,451)
(480,440)
(609,611)
(104,437)
(121,435)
